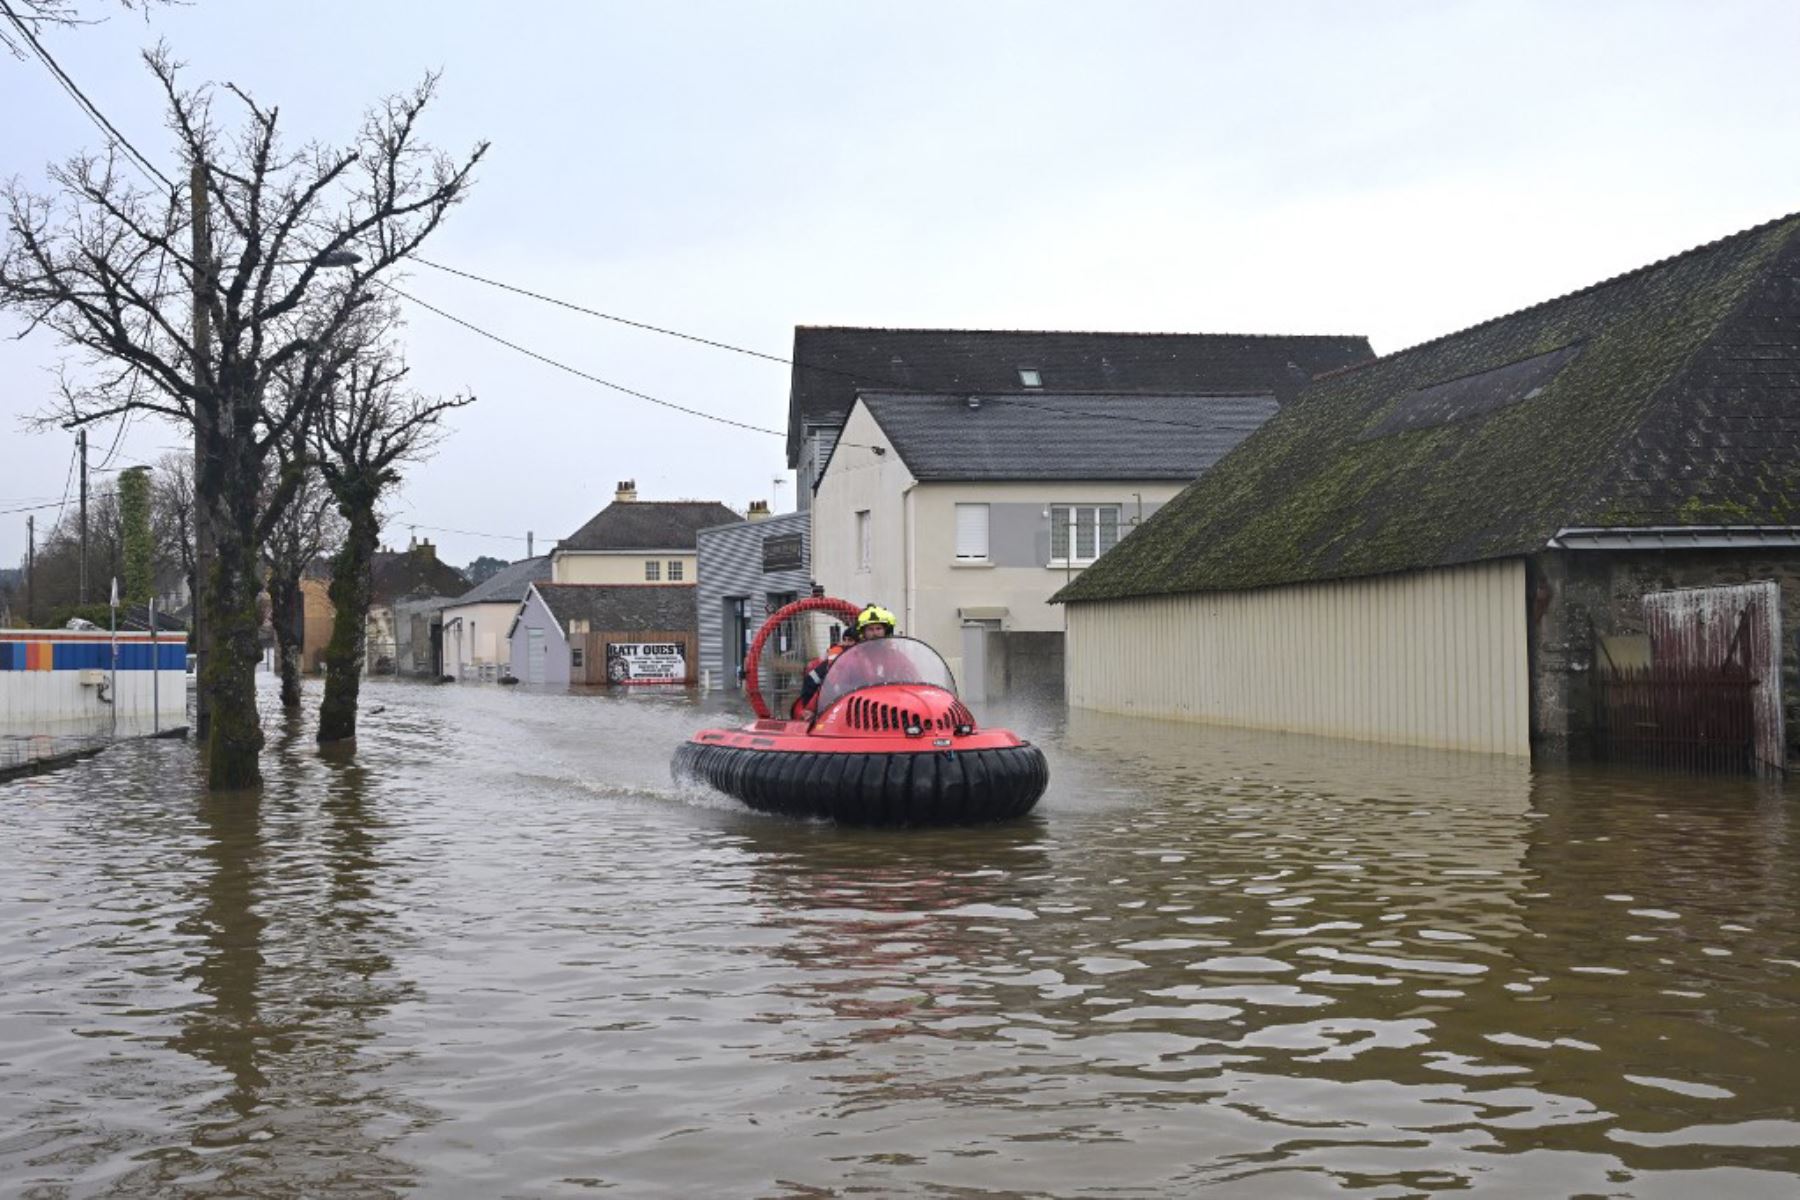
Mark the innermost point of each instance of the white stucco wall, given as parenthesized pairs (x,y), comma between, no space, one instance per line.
(859,479)
(941,587)
(479,637)
(584,566)
(1426,658)
(914,569)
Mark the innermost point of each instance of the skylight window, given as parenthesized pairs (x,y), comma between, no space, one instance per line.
(1030,377)
(1476,395)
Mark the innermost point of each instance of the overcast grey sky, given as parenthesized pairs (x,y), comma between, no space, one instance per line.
(1399,170)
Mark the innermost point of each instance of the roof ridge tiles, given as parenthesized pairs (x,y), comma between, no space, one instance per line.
(1045,393)
(1134,333)
(1587,289)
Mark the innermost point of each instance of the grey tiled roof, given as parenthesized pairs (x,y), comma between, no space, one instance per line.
(508,584)
(414,572)
(623,606)
(1063,436)
(833,363)
(648,525)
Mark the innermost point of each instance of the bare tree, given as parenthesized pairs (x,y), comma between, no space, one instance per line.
(309,528)
(369,427)
(91,262)
(26,19)
(172,520)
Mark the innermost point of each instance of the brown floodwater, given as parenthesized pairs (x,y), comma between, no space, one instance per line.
(498,953)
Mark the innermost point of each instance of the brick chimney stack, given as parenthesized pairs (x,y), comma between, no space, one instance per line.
(627,491)
(759,511)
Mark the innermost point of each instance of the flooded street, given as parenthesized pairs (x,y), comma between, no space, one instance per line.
(499,953)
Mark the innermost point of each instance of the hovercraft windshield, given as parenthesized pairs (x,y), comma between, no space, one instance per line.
(884,661)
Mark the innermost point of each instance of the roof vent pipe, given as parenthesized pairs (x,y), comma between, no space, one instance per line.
(974,402)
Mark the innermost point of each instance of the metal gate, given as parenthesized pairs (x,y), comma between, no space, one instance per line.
(1710,697)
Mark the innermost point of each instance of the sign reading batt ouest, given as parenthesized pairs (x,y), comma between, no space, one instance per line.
(645,662)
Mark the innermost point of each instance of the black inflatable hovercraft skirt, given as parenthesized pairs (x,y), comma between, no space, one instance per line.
(965,787)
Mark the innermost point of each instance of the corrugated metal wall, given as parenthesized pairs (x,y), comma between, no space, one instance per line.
(1431,658)
(731,564)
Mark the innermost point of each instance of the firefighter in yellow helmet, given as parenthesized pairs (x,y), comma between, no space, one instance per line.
(875,622)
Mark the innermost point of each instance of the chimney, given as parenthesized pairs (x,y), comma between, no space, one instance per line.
(627,491)
(759,511)
(428,550)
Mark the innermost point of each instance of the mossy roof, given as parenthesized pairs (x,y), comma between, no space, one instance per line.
(1666,396)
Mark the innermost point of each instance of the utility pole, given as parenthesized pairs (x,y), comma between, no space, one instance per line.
(81,441)
(203,546)
(31,572)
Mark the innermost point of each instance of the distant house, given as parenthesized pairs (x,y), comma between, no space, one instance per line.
(637,541)
(408,589)
(475,624)
(748,569)
(316,616)
(1476,542)
(599,633)
(964,512)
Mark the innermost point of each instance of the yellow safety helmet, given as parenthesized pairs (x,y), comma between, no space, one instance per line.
(875,615)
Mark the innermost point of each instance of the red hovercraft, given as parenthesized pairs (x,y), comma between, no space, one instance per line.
(890,744)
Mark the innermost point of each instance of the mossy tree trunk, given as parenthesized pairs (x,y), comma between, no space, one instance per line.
(351,588)
(285,613)
(228,494)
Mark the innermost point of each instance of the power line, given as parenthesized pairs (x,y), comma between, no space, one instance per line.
(7,512)
(577,371)
(87,106)
(67,480)
(593,312)
(137,377)
(860,379)
(511,537)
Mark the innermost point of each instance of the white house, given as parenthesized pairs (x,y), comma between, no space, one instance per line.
(965,514)
(475,624)
(1045,446)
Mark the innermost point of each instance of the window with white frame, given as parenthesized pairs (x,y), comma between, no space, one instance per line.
(1080,533)
(652,571)
(675,570)
(971,533)
(865,540)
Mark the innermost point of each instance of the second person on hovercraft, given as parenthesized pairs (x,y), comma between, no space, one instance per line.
(872,624)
